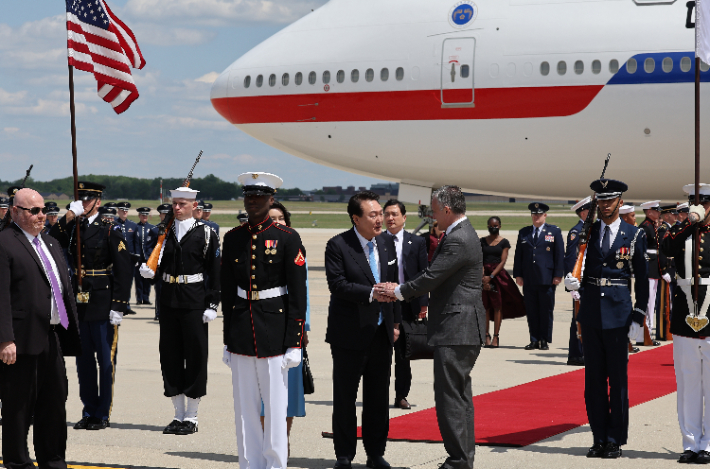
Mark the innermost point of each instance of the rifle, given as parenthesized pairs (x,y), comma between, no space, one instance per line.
(165,225)
(6,219)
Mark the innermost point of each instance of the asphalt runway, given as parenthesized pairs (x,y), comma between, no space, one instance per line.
(140,411)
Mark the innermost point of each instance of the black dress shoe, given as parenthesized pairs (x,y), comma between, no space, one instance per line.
(81,424)
(401,403)
(146,302)
(688,457)
(612,451)
(703,458)
(129,312)
(639,344)
(596,451)
(634,350)
(343,463)
(543,345)
(97,424)
(532,346)
(172,428)
(186,428)
(378,462)
(575,361)
(656,343)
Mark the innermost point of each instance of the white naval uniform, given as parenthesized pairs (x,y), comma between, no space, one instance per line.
(691,359)
(651,308)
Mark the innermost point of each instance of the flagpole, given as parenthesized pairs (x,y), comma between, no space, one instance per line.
(77,223)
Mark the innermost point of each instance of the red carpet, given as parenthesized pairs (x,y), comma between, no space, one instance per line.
(531,412)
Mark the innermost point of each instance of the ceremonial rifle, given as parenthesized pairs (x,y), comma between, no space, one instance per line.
(165,225)
(6,219)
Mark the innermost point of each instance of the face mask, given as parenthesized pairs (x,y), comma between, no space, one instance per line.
(493,231)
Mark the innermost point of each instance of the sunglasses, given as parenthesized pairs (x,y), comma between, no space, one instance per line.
(34,210)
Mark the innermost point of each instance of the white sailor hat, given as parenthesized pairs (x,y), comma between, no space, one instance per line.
(582,205)
(259,183)
(704,192)
(625,209)
(184,193)
(652,205)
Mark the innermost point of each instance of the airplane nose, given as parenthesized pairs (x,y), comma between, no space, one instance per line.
(219,91)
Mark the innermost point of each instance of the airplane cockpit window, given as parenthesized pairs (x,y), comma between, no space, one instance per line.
(340,76)
(465,71)
(384,74)
(613,66)
(579,67)
(369,75)
(561,67)
(354,76)
(631,66)
(299,78)
(259,81)
(247,81)
(399,74)
(685,64)
(596,67)
(272,79)
(326,77)
(667,64)
(312,78)
(284,79)
(649,65)
(544,69)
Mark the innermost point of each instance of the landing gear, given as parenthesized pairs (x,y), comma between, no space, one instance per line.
(425,214)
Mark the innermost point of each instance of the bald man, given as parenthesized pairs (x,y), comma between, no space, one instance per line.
(38,327)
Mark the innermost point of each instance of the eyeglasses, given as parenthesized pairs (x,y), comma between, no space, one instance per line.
(34,210)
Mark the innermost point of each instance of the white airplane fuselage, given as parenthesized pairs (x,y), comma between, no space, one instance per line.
(465,98)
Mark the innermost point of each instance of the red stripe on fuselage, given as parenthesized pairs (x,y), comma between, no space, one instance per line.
(490,103)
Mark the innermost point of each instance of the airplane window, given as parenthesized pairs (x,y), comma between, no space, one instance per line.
(561,67)
(326,77)
(579,67)
(312,78)
(544,69)
(384,74)
(399,74)
(613,66)
(704,67)
(596,67)
(272,79)
(685,64)
(299,78)
(284,79)
(369,75)
(355,76)
(340,76)
(259,81)
(631,66)
(247,81)
(667,64)
(649,65)
(465,71)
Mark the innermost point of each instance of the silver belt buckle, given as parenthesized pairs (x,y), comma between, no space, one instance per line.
(254,295)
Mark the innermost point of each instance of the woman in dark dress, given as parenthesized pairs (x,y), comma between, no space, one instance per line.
(501,296)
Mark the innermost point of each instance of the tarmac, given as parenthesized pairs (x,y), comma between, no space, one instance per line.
(141,411)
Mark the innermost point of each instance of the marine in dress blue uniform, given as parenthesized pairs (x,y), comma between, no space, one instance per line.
(163,210)
(144,240)
(128,228)
(655,260)
(614,256)
(539,268)
(575,356)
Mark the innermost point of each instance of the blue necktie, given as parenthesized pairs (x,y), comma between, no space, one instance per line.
(606,245)
(375,271)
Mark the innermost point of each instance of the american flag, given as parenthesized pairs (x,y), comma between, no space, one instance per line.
(99,42)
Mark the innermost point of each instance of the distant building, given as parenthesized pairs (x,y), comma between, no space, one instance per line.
(54,196)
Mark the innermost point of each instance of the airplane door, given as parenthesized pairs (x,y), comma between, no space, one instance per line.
(457,72)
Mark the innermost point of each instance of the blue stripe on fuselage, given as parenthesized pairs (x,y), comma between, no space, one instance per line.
(676,75)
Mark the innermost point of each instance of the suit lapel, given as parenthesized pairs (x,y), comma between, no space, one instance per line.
(406,245)
(26,244)
(384,258)
(358,254)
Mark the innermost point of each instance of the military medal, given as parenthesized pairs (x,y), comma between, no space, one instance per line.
(619,265)
(271,246)
(696,322)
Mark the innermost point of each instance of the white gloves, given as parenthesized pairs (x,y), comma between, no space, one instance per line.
(571,282)
(666,278)
(292,358)
(698,210)
(146,272)
(575,295)
(78,208)
(227,357)
(115,318)
(209,315)
(635,332)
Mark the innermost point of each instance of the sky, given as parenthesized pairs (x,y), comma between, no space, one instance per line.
(185,43)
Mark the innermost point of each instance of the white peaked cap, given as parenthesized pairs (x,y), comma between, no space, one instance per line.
(690,189)
(183,193)
(624,209)
(651,204)
(683,205)
(581,203)
(266,180)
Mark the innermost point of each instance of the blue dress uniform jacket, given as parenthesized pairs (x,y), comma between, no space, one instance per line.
(145,239)
(263,327)
(212,225)
(572,250)
(128,228)
(539,263)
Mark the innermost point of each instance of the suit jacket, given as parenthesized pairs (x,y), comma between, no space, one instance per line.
(454,278)
(352,318)
(414,261)
(538,263)
(26,295)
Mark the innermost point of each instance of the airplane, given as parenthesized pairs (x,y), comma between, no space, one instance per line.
(519,98)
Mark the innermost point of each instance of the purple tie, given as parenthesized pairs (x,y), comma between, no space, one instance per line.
(63,319)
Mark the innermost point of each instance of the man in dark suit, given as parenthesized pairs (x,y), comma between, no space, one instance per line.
(38,328)
(457,321)
(539,268)
(614,255)
(362,329)
(412,260)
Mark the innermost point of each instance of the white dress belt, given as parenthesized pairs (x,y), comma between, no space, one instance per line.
(651,251)
(183,278)
(689,281)
(263,294)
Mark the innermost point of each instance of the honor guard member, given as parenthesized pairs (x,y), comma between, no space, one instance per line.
(197,211)
(163,211)
(689,326)
(106,273)
(52,216)
(129,229)
(108,215)
(144,240)
(539,268)
(264,319)
(206,213)
(4,206)
(683,211)
(655,259)
(575,356)
(189,272)
(614,255)
(666,288)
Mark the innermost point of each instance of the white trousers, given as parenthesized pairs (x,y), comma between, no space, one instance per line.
(651,307)
(691,359)
(255,380)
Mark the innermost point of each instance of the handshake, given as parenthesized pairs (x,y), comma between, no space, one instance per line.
(384,292)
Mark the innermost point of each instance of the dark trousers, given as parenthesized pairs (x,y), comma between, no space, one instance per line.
(539,305)
(99,346)
(575,346)
(183,352)
(373,366)
(142,287)
(454,402)
(35,385)
(606,389)
(158,286)
(402,369)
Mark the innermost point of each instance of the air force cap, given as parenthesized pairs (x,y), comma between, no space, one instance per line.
(123,206)
(164,208)
(704,192)
(208,207)
(582,205)
(259,183)
(52,208)
(143,210)
(606,189)
(200,205)
(4,202)
(538,207)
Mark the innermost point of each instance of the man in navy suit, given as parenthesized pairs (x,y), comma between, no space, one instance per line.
(362,328)
(539,268)
(614,255)
(412,260)
(575,356)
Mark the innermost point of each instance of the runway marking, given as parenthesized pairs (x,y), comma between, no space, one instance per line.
(101,466)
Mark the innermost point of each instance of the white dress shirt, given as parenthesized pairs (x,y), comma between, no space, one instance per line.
(366,250)
(54,315)
(399,244)
(613,230)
